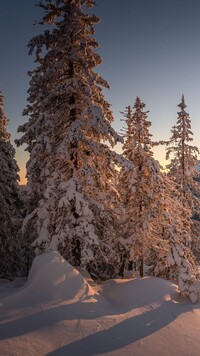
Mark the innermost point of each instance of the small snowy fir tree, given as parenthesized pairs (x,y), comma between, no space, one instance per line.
(181,261)
(195,243)
(173,224)
(182,171)
(71,169)
(10,216)
(140,186)
(182,168)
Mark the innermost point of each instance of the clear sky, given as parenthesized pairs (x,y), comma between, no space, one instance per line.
(150,49)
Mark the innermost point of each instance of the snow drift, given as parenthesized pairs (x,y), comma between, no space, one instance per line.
(57,312)
(53,279)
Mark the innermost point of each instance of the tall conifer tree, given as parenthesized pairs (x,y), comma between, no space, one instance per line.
(10,215)
(182,168)
(140,184)
(155,224)
(70,171)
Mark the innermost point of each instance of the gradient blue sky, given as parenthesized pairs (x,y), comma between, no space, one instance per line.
(150,48)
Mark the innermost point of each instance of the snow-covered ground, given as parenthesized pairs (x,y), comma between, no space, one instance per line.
(58,312)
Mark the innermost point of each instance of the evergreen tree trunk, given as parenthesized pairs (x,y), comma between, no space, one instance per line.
(141,267)
(130,265)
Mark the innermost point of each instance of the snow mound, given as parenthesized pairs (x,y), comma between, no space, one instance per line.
(56,277)
(53,279)
(58,313)
(134,293)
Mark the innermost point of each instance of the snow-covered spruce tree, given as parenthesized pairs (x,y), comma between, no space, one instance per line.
(70,171)
(155,223)
(182,168)
(195,243)
(173,223)
(140,186)
(10,215)
(181,260)
(182,171)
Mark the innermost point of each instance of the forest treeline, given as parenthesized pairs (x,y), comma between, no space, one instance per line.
(107,212)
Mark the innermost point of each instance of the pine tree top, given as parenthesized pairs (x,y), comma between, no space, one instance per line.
(182,105)
(139,104)
(57,8)
(138,138)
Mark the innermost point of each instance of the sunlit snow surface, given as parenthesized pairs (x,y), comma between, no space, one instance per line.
(60,312)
